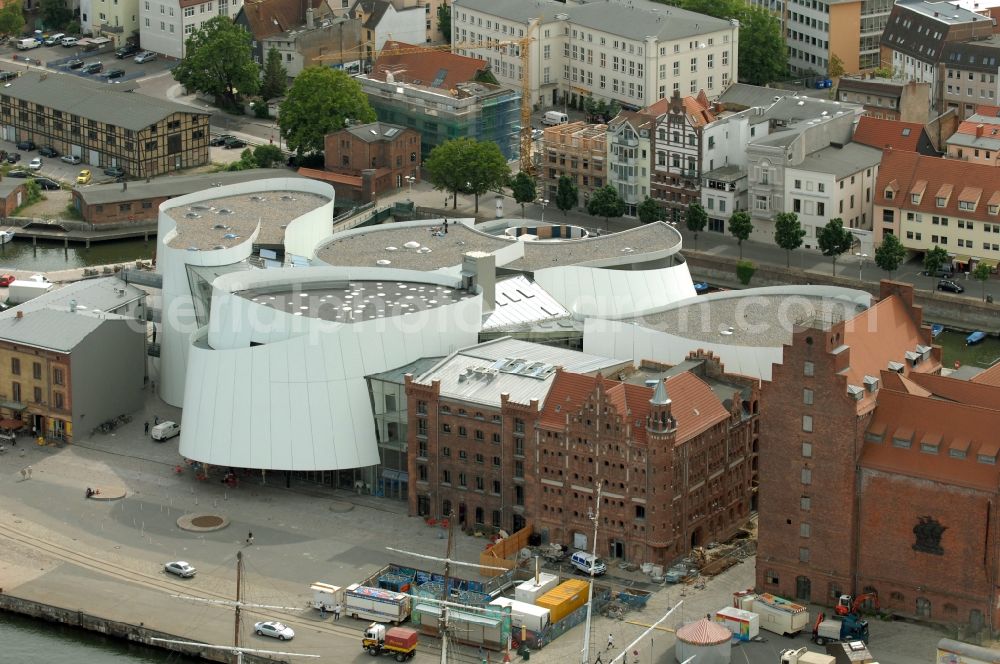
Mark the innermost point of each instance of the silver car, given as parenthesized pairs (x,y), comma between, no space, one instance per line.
(145,56)
(70,159)
(274,629)
(35,164)
(181,569)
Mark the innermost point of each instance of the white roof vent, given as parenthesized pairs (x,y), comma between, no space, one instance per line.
(383,261)
(412,245)
(391,249)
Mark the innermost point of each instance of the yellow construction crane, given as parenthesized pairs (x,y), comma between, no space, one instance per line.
(523,44)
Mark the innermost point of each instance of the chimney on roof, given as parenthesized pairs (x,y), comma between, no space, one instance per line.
(310,18)
(979,130)
(20,315)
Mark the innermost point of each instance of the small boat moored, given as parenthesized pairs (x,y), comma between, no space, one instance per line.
(975,338)
(6,236)
(936,329)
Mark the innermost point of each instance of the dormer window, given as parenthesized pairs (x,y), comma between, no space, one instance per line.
(888,194)
(871,383)
(967,205)
(855,392)
(897,367)
(940,201)
(902,438)
(993,209)
(913,358)
(915,199)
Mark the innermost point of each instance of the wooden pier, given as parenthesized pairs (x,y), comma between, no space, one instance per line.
(56,233)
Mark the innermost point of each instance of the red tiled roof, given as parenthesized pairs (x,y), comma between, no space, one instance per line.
(944,178)
(429,67)
(972,393)
(272,17)
(989,377)
(881,133)
(327,176)
(693,403)
(988,110)
(698,109)
(930,420)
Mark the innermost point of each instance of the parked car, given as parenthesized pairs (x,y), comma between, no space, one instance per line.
(92,68)
(75,63)
(48,184)
(274,629)
(35,164)
(126,50)
(70,159)
(165,431)
(26,145)
(18,174)
(233,142)
(54,39)
(83,177)
(145,56)
(7,280)
(220,139)
(114,171)
(950,286)
(677,573)
(48,151)
(68,42)
(8,76)
(13,157)
(181,569)
(114,73)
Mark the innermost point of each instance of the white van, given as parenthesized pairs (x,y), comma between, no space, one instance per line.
(555,118)
(27,43)
(165,430)
(588,563)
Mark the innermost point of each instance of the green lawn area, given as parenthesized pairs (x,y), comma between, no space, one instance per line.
(984,354)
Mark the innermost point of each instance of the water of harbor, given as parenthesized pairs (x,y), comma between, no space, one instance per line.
(25,640)
(52,256)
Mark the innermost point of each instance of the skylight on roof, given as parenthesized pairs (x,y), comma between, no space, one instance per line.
(906,131)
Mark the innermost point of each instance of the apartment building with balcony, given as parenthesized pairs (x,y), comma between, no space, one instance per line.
(104,125)
(577,150)
(166,25)
(629,150)
(632,51)
(678,149)
(928,202)
(977,139)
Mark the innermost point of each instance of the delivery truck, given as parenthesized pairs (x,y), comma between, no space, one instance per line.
(777,614)
(325,596)
(401,642)
(376,604)
(850,628)
(803,656)
(744,625)
(522,614)
(22,290)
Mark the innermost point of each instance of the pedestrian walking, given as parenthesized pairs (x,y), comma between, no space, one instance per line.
(147,427)
(29,472)
(24,474)
(156,419)
(322,610)
(611,641)
(249,538)
(635,657)
(336,611)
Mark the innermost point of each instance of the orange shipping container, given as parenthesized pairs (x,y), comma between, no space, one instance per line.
(564,599)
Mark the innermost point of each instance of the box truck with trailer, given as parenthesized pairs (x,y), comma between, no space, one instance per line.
(401,642)
(376,604)
(777,614)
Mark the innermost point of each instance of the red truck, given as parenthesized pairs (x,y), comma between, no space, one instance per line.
(398,641)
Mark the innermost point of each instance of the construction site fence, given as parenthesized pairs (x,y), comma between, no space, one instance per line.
(602,597)
(504,553)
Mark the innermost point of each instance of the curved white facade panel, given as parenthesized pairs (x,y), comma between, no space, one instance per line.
(594,291)
(299,399)
(179,321)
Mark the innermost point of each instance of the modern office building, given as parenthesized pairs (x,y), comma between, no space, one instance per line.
(632,51)
(104,125)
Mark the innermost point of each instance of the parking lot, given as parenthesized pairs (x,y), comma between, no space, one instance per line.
(53,167)
(55,58)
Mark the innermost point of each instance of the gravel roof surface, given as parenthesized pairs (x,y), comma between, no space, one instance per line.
(633,242)
(273,209)
(754,320)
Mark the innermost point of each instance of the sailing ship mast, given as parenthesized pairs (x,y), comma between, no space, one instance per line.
(595,517)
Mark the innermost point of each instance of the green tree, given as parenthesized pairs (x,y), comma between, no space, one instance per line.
(446,164)
(788,233)
(606,203)
(486,169)
(275,79)
(567,194)
(649,211)
(890,253)
(267,156)
(320,101)
(219,62)
(763,54)
(745,271)
(444,21)
(12,19)
(740,227)
(696,219)
(523,187)
(833,240)
(935,259)
(55,13)
(982,275)
(836,67)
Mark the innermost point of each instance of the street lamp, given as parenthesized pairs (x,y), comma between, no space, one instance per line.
(543,202)
(409,182)
(861,263)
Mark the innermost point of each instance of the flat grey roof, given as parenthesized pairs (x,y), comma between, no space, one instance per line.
(843,161)
(228,220)
(101,294)
(102,102)
(969,140)
(376,131)
(757,320)
(171,186)
(355,301)
(943,12)
(446,250)
(48,328)
(416,367)
(520,369)
(796,109)
(744,94)
(635,19)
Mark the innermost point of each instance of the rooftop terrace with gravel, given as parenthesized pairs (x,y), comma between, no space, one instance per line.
(220,223)
(429,248)
(760,320)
